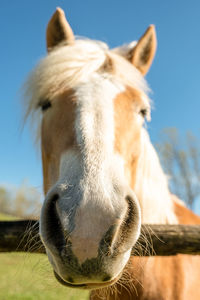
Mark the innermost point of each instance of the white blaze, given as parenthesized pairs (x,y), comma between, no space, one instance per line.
(100,170)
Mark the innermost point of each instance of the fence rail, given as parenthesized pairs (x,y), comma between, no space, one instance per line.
(154,239)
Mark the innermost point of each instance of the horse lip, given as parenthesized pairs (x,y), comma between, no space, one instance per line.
(88,286)
(63,282)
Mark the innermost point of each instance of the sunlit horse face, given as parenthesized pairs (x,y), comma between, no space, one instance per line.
(94,104)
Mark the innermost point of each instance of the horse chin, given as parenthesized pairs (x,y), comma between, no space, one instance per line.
(88,286)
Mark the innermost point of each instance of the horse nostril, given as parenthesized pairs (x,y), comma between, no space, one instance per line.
(50,222)
(125,228)
(50,213)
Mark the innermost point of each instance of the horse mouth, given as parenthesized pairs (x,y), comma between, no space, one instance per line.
(88,286)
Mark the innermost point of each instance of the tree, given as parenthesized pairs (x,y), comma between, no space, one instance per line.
(181,161)
(23,201)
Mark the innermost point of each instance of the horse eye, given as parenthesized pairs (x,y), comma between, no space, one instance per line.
(45,104)
(143,112)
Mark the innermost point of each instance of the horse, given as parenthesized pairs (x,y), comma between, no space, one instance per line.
(102,177)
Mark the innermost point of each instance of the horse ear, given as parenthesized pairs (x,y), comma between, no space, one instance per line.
(58,30)
(142,54)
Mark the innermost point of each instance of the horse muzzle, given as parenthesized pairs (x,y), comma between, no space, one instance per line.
(81,258)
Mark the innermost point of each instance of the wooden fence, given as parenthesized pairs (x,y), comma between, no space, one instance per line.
(154,239)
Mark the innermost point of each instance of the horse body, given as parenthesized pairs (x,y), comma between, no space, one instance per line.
(102,176)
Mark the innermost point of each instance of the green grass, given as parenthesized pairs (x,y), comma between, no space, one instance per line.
(25,276)
(4,217)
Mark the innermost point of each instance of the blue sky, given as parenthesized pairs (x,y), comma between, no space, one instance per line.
(174,76)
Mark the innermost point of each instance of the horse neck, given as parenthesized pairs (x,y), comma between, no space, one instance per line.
(151,186)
